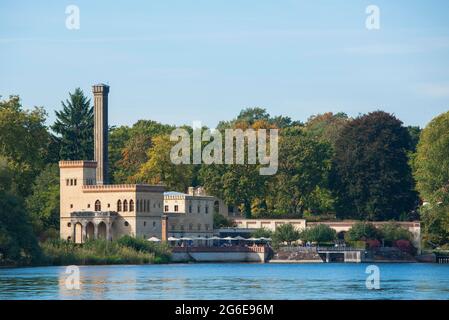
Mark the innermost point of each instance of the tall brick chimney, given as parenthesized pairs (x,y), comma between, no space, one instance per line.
(100,92)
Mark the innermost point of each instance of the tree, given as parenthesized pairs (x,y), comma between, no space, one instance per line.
(326,127)
(43,203)
(320,233)
(220,221)
(160,169)
(23,143)
(371,175)
(262,233)
(74,127)
(286,233)
(18,244)
(362,231)
(435,225)
(302,178)
(431,162)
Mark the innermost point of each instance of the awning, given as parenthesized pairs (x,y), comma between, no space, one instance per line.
(154,239)
(172,239)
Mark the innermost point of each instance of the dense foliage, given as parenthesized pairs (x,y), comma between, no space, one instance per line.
(320,233)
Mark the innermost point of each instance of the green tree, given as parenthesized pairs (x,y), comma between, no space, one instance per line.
(160,169)
(262,233)
(431,162)
(220,221)
(326,127)
(74,127)
(362,231)
(23,143)
(320,233)
(43,203)
(302,178)
(435,225)
(371,177)
(286,233)
(18,245)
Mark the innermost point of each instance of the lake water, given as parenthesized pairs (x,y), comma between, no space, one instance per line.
(228,281)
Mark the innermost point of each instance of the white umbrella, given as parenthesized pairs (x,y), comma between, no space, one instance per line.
(253,239)
(172,239)
(239,238)
(200,238)
(185,239)
(214,238)
(228,238)
(154,239)
(266,239)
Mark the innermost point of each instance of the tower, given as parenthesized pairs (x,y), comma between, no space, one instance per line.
(100,92)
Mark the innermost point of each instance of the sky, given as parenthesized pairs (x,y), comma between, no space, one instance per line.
(205,60)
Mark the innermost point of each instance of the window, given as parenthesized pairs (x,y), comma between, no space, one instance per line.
(144,223)
(166,208)
(176,208)
(119,205)
(190,208)
(74,182)
(126,222)
(71,182)
(131,205)
(71,206)
(154,224)
(69,224)
(199,208)
(67,182)
(206,226)
(97,205)
(109,205)
(216,206)
(125,205)
(207,209)
(88,205)
(144,206)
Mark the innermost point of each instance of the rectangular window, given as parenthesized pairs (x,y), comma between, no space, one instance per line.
(67,182)
(190,209)
(74,182)
(166,208)
(176,208)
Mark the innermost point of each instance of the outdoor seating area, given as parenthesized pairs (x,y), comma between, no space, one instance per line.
(214,241)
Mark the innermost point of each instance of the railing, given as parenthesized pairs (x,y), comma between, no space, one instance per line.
(93,214)
(338,249)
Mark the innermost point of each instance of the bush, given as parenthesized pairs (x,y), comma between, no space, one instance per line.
(373,243)
(221,221)
(126,250)
(392,232)
(362,231)
(405,246)
(320,233)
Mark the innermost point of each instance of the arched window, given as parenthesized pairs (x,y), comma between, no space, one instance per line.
(97,205)
(119,205)
(125,205)
(131,205)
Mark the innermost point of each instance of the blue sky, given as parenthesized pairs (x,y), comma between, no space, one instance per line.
(204,60)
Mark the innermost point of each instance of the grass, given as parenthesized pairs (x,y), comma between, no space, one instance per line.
(126,250)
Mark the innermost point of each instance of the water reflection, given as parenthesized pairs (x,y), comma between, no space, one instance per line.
(228,281)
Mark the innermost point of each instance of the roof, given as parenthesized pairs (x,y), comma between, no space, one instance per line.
(175,193)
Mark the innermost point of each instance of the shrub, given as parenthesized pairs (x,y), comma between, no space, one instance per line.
(405,246)
(392,232)
(373,243)
(319,233)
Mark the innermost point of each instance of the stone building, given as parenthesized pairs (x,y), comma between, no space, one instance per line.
(91,208)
